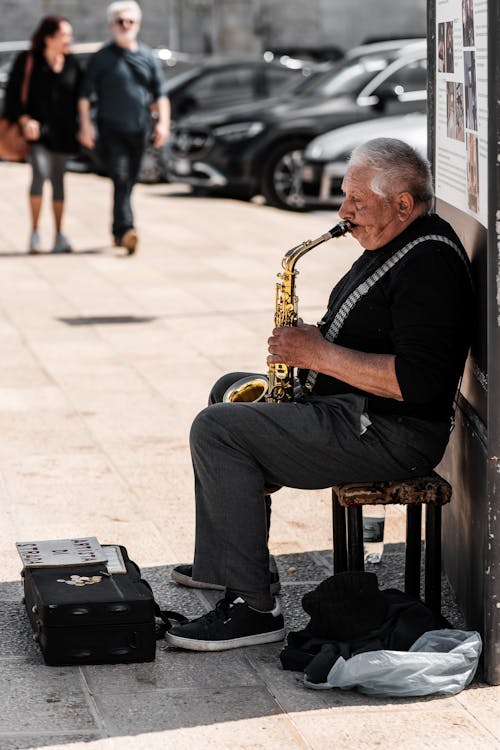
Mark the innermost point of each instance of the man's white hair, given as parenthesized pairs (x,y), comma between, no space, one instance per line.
(124,6)
(396,167)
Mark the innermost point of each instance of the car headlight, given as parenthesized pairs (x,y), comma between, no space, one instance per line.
(320,152)
(314,151)
(238,131)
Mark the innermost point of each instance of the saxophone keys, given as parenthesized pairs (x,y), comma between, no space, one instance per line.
(281,370)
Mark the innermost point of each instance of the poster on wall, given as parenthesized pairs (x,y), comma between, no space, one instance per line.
(461,146)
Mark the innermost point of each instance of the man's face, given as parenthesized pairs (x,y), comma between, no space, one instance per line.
(125,27)
(375,220)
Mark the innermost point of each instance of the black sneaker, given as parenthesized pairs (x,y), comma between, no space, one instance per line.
(233,623)
(183,575)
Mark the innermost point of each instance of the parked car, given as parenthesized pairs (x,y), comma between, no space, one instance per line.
(216,83)
(292,54)
(258,148)
(325,157)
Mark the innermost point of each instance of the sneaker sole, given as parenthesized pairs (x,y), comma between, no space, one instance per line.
(190,644)
(184,580)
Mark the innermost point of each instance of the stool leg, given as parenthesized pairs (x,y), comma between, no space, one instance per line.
(433,557)
(355,537)
(339,535)
(413,545)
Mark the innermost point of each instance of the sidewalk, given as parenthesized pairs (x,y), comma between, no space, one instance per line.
(105,362)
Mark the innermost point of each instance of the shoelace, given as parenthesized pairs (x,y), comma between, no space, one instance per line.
(220,612)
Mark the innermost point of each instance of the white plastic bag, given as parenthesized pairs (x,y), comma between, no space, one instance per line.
(440,662)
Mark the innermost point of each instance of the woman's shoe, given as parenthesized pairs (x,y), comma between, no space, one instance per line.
(34,243)
(61,244)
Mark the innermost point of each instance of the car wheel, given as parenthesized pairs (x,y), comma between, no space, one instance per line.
(282,177)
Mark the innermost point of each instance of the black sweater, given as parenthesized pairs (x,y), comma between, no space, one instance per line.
(420,311)
(52,100)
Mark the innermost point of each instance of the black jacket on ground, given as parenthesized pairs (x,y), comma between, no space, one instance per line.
(52,100)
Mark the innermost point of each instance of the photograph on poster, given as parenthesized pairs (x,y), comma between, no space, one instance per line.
(455,110)
(459,111)
(470,90)
(468,22)
(461,115)
(441,56)
(446,57)
(472,173)
(450,109)
(450,64)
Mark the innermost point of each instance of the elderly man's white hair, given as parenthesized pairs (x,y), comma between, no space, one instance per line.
(124,6)
(396,166)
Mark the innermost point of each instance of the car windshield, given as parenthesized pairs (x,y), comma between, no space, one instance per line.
(348,78)
(179,79)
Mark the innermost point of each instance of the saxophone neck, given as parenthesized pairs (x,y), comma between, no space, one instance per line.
(295,253)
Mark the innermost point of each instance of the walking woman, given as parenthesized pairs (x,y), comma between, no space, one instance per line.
(42,95)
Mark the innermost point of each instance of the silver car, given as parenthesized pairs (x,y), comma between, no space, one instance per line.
(325,157)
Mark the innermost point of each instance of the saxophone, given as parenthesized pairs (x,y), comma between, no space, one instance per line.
(277,387)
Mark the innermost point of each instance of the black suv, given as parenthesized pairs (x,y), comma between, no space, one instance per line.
(258,148)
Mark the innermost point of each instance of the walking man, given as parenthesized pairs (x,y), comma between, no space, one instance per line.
(125,78)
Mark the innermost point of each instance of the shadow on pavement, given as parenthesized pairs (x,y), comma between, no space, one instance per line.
(64,705)
(49,254)
(99,320)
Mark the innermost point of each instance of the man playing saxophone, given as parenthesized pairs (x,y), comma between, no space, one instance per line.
(377,376)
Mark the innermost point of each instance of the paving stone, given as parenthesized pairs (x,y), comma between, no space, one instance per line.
(291,601)
(412,730)
(63,741)
(172,709)
(173,669)
(299,567)
(170,595)
(55,696)
(16,636)
(481,701)
(12,591)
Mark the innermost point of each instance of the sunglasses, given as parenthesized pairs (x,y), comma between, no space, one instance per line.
(124,21)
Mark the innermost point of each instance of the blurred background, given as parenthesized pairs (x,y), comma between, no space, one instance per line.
(253,83)
(232,26)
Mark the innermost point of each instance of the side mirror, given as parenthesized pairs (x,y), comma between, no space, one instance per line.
(385,93)
(388,92)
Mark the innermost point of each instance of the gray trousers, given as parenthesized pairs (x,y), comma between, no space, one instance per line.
(239,449)
(47,165)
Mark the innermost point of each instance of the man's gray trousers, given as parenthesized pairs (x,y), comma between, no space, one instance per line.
(239,449)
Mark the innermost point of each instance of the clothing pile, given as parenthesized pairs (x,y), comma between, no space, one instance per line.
(361,637)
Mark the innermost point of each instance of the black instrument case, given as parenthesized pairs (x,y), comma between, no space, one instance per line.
(83,615)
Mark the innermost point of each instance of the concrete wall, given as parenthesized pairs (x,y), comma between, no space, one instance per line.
(232,26)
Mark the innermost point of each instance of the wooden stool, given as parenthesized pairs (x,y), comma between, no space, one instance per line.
(432,491)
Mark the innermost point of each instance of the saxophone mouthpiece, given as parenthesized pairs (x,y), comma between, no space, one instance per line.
(343,227)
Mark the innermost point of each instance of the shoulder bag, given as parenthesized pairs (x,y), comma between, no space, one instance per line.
(13,144)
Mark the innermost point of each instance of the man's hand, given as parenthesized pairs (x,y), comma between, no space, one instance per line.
(304,346)
(297,346)
(86,135)
(161,132)
(31,128)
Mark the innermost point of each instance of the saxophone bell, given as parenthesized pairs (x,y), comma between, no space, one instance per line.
(249,389)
